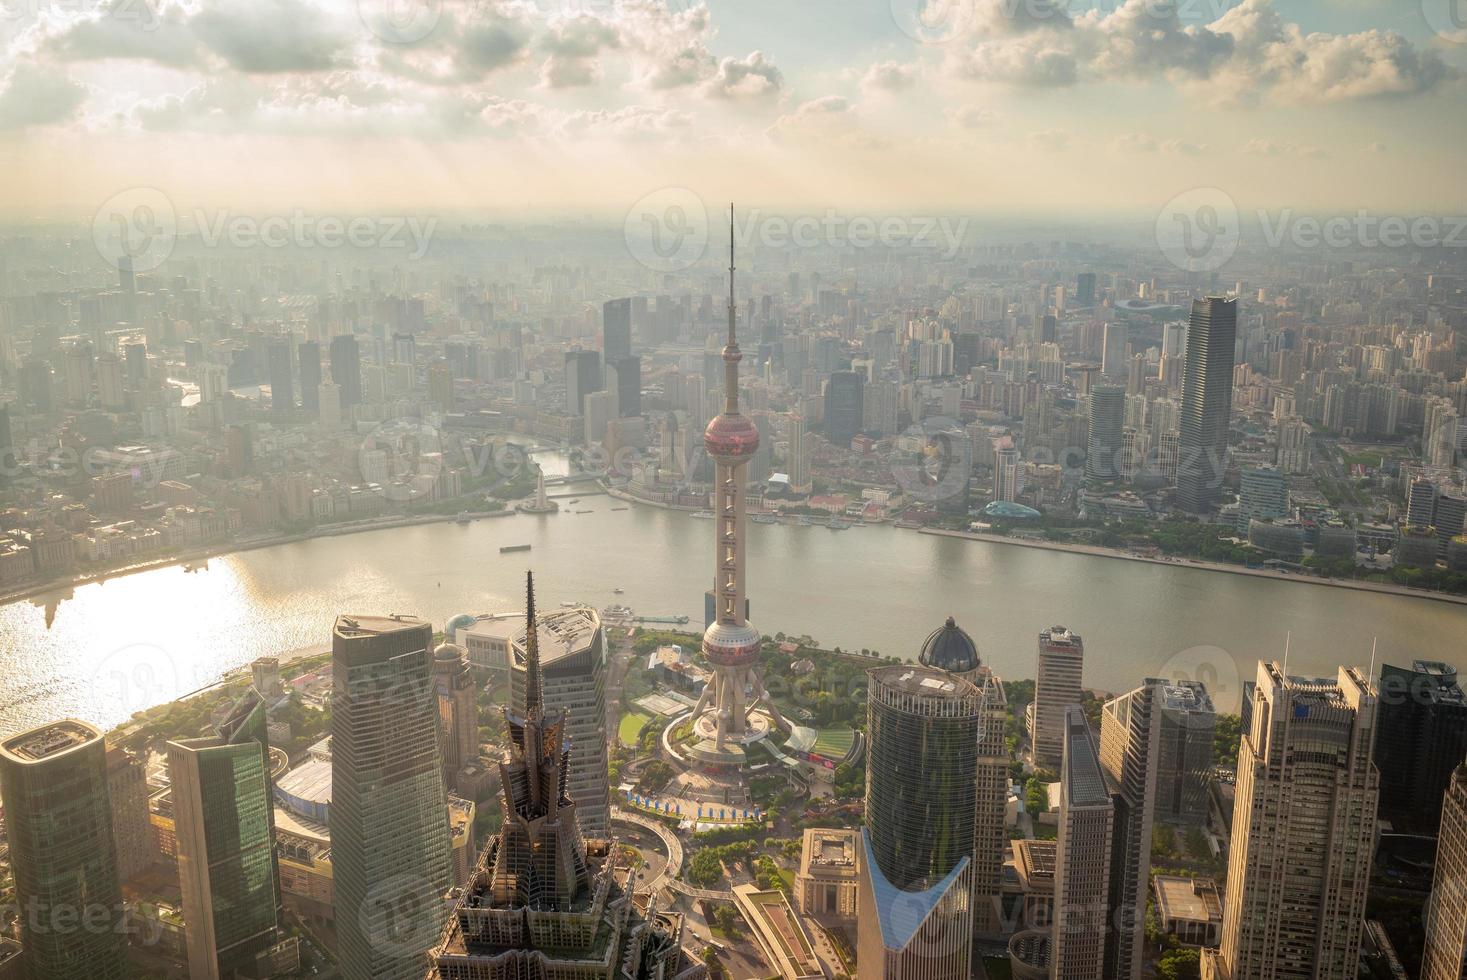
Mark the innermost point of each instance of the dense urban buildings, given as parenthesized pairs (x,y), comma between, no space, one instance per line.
(1207,400)
(1303,831)
(1445,956)
(916,866)
(1057,672)
(389,828)
(223,810)
(58,826)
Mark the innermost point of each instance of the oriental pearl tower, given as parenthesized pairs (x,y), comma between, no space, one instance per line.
(731,643)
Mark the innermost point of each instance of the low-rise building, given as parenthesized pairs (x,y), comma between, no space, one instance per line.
(826,885)
(1188,908)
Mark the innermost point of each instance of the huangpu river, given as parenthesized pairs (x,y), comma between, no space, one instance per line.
(115,647)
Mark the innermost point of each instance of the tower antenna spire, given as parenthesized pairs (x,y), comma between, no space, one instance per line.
(534,699)
(731,353)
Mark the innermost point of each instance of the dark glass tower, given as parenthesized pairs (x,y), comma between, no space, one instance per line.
(346,370)
(309,355)
(616,329)
(1107,428)
(1420,737)
(624,378)
(53,780)
(843,403)
(916,914)
(1207,403)
(282,387)
(389,818)
(224,814)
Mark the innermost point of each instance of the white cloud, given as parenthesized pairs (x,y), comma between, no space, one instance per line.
(35,96)
(889,76)
(751,78)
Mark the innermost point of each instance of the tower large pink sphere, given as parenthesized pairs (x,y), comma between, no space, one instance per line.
(731,437)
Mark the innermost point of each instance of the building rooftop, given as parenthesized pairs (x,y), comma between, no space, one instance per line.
(49,741)
(949,647)
(829,852)
(354,626)
(924,681)
(1083,782)
(310,781)
(1191,899)
(1058,636)
(563,633)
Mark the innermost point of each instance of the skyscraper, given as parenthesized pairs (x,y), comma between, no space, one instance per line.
(542,900)
(582,376)
(1083,858)
(1207,403)
(309,356)
(389,824)
(282,388)
(1113,356)
(1107,424)
(1420,738)
(223,813)
(1445,956)
(916,875)
(53,780)
(624,381)
(843,407)
(950,648)
(458,710)
(1057,674)
(572,652)
(346,371)
(1303,831)
(1085,289)
(1008,474)
(1155,745)
(731,643)
(616,329)
(799,455)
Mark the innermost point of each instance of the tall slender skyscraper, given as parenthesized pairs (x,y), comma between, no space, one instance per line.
(1056,687)
(1155,742)
(916,873)
(53,780)
(389,818)
(1107,425)
(1303,831)
(731,643)
(309,356)
(843,408)
(543,900)
(223,811)
(1445,956)
(1083,858)
(458,710)
(282,387)
(1207,403)
(616,329)
(346,370)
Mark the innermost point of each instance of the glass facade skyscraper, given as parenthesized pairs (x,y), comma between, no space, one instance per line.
(53,780)
(223,815)
(389,823)
(1207,403)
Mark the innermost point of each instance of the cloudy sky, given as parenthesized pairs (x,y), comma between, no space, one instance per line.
(1018,107)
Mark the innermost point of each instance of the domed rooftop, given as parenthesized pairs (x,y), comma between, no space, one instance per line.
(731,435)
(448,651)
(458,622)
(949,647)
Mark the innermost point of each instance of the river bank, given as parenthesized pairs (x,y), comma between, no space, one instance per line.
(1384,588)
(237,546)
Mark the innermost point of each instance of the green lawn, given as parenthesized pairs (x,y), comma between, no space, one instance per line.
(834,743)
(631,726)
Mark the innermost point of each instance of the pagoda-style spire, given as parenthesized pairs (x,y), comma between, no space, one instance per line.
(534,691)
